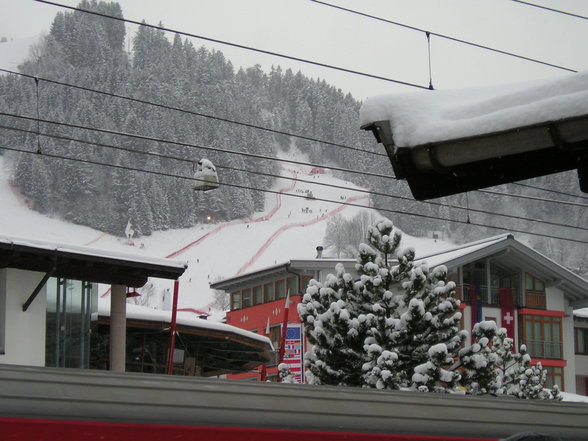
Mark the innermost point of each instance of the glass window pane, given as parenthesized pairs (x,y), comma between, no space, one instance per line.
(269,292)
(293,286)
(236,300)
(539,285)
(280,289)
(528,282)
(246,297)
(257,295)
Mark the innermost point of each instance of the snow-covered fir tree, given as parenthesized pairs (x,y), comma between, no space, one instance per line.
(396,326)
(498,369)
(376,330)
(286,375)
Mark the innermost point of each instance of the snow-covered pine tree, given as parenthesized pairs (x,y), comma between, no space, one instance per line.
(482,363)
(285,374)
(427,317)
(497,369)
(335,328)
(379,325)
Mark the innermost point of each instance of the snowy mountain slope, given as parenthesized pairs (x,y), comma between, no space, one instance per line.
(291,227)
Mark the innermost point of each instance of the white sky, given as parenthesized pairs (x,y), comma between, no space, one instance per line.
(305,29)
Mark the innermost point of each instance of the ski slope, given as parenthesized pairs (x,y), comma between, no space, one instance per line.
(291,227)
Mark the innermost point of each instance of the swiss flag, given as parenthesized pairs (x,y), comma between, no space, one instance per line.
(507,313)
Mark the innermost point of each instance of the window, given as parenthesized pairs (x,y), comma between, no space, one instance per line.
(542,335)
(235,300)
(554,376)
(280,289)
(268,292)
(293,286)
(257,295)
(275,335)
(246,297)
(534,292)
(70,304)
(304,281)
(581,341)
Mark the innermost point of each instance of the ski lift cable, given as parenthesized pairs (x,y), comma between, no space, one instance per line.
(164,106)
(558,11)
(272,175)
(192,112)
(236,45)
(387,210)
(185,144)
(532,198)
(549,190)
(447,37)
(250,154)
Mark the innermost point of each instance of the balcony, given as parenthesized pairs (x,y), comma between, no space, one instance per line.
(535,299)
(545,349)
(463,293)
(532,299)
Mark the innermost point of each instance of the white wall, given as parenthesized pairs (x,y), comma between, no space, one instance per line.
(24,332)
(569,350)
(555,299)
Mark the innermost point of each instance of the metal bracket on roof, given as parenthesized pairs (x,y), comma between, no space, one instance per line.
(38,289)
(557,139)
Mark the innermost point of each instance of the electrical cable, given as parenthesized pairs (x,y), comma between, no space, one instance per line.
(271,175)
(405,213)
(447,37)
(533,198)
(191,112)
(184,144)
(220,166)
(236,45)
(563,193)
(551,9)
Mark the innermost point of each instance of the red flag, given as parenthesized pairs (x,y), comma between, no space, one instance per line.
(476,304)
(284,329)
(507,313)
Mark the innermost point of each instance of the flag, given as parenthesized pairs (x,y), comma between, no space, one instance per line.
(507,311)
(476,304)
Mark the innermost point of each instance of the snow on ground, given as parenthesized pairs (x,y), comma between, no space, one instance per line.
(290,227)
(431,116)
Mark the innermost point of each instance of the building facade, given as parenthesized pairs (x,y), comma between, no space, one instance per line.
(497,279)
(51,316)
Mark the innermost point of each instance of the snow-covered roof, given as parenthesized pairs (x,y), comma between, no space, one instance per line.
(514,253)
(425,117)
(85,263)
(138,312)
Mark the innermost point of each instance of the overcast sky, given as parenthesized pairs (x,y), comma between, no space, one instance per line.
(305,29)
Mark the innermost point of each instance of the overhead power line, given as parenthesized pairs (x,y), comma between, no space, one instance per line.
(533,198)
(221,166)
(237,45)
(185,144)
(558,11)
(271,175)
(447,37)
(419,215)
(550,190)
(192,112)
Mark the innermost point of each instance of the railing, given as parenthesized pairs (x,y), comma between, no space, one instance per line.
(535,299)
(545,349)
(463,292)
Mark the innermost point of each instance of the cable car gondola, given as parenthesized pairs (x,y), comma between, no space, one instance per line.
(205,176)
